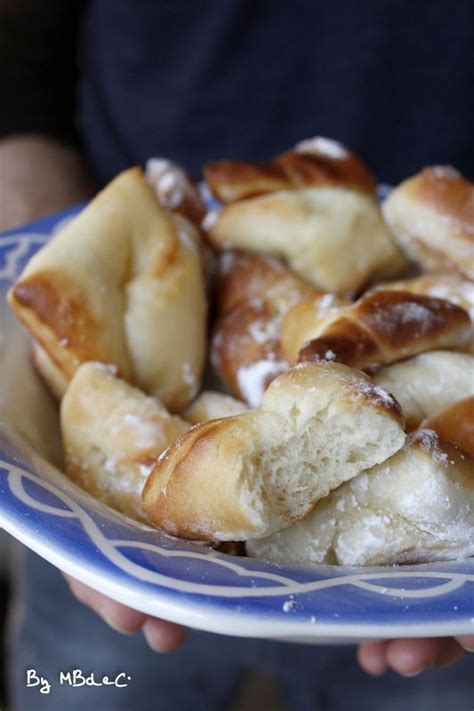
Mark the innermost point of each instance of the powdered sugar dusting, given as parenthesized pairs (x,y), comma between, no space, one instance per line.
(253,379)
(444,171)
(263,331)
(377,393)
(168,181)
(323,146)
(430,441)
(210,220)
(326,302)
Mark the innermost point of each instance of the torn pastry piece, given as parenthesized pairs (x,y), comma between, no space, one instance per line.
(314,206)
(113,434)
(213,405)
(254,293)
(380,328)
(175,189)
(432,218)
(455,424)
(416,507)
(122,283)
(253,474)
(428,383)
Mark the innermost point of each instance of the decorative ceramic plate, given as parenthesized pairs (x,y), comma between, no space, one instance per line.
(178,580)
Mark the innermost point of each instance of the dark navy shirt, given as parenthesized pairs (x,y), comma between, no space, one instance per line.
(207,79)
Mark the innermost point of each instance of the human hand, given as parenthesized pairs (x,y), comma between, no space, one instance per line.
(39,176)
(410,657)
(161,636)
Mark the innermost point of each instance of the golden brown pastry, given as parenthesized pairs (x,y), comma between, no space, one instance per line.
(428,383)
(455,424)
(314,206)
(380,328)
(298,327)
(244,276)
(416,507)
(122,283)
(432,218)
(113,434)
(255,473)
(450,287)
(254,293)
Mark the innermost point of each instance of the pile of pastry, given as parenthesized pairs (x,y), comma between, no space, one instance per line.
(340,332)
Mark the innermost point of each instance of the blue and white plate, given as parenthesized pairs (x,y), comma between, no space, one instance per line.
(178,580)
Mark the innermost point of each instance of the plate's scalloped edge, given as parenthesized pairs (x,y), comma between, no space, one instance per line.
(284,585)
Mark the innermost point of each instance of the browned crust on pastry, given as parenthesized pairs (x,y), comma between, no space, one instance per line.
(243,276)
(231,181)
(55,311)
(451,287)
(455,424)
(385,326)
(234,345)
(254,292)
(347,342)
(308,169)
(181,468)
(447,192)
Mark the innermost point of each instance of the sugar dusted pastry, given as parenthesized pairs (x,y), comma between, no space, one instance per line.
(432,218)
(253,474)
(380,328)
(314,206)
(112,434)
(299,327)
(175,189)
(428,383)
(253,292)
(450,287)
(416,507)
(122,283)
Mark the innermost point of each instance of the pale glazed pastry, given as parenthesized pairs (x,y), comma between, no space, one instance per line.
(122,283)
(428,383)
(254,293)
(455,424)
(314,206)
(51,375)
(213,405)
(253,474)
(112,435)
(380,328)
(432,217)
(418,506)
